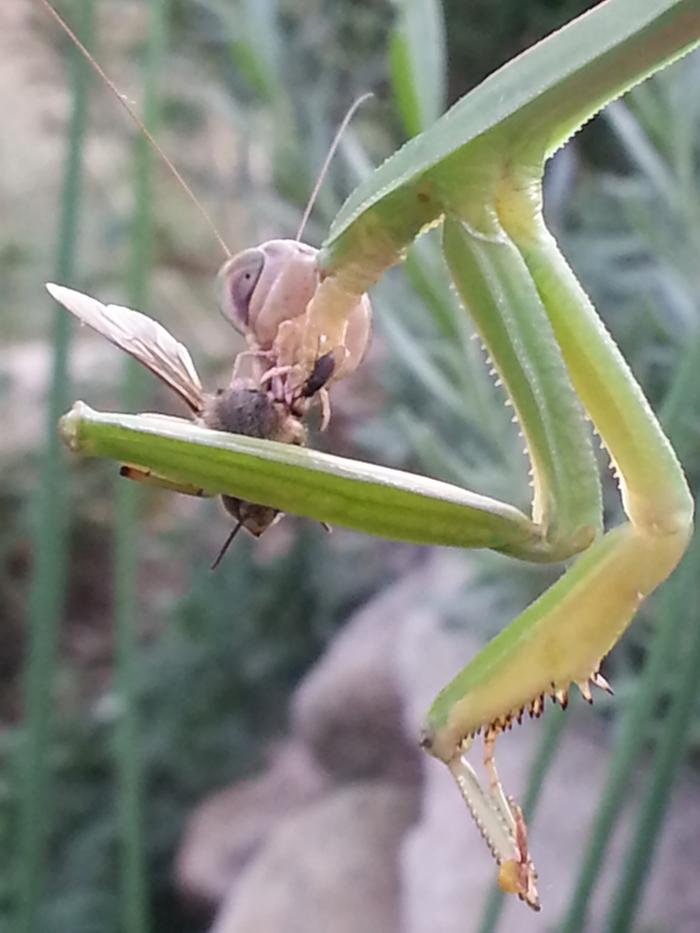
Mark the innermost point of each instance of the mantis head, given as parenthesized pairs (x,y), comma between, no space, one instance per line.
(262,287)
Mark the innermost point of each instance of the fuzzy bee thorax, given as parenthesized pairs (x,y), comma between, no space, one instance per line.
(254,413)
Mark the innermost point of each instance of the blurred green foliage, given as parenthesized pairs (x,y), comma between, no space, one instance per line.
(210,689)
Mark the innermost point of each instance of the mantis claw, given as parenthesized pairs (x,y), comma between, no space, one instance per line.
(499,820)
(600,681)
(585,690)
(518,876)
(498,817)
(561,696)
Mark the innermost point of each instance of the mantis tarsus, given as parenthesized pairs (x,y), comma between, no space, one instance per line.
(478,172)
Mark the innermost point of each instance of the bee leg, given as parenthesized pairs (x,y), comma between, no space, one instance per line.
(249,359)
(274,371)
(142,475)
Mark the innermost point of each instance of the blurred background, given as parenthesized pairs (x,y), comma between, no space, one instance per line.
(182,750)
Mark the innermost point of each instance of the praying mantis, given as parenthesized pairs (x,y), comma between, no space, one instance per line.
(478,174)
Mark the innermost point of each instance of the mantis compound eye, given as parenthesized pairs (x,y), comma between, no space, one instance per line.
(261,288)
(238,279)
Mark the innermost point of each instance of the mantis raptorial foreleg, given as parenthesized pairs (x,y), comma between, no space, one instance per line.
(562,638)
(478,173)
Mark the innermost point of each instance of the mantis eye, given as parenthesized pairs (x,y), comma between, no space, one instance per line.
(237,281)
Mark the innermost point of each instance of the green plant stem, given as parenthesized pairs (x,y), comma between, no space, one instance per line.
(48,589)
(553,730)
(633,729)
(633,732)
(682,398)
(667,758)
(127,503)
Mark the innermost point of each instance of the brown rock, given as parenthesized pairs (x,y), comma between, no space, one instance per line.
(330,867)
(348,708)
(225,832)
(447,871)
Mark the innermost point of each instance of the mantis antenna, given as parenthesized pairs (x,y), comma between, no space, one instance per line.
(99,70)
(352,110)
(94,64)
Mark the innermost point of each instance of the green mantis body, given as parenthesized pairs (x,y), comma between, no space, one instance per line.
(478,173)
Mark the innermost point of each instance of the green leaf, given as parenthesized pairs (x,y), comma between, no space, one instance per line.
(255,45)
(417,61)
(50,540)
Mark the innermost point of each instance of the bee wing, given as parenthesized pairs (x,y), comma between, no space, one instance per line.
(140,336)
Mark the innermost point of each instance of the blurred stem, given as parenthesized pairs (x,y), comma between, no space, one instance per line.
(544,757)
(50,544)
(660,660)
(682,400)
(668,754)
(632,733)
(127,504)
